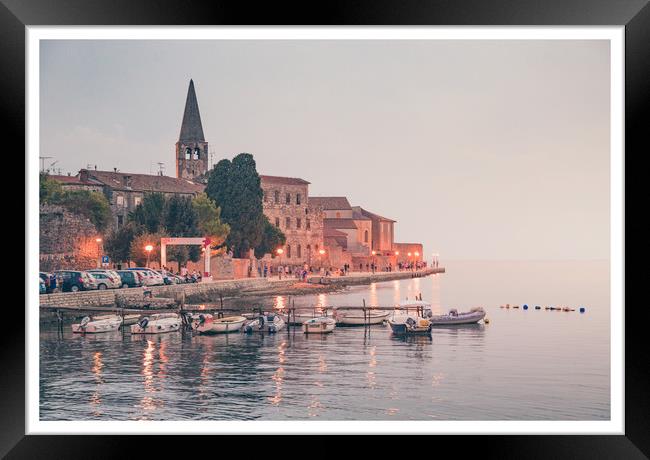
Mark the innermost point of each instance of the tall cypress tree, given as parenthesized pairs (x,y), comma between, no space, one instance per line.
(235,188)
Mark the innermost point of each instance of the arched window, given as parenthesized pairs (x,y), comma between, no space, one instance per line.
(276,196)
(299,252)
(365,236)
(288,251)
(188,153)
(197,153)
(308,248)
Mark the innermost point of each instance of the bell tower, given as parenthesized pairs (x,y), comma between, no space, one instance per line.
(191,148)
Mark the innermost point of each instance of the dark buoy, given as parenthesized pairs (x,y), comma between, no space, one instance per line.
(582,309)
(537,307)
(525,307)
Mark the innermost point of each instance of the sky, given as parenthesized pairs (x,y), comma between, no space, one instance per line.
(479,149)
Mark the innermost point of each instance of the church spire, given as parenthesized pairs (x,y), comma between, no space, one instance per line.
(191,129)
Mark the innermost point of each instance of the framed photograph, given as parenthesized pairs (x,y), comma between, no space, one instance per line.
(393,221)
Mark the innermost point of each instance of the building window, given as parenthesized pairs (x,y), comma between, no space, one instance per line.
(287,222)
(137,200)
(266,197)
(307,224)
(299,252)
(277,221)
(120,221)
(288,198)
(309,249)
(316,247)
(298,223)
(365,236)
(188,153)
(288,251)
(297,198)
(197,154)
(306,210)
(119,200)
(277,196)
(338,215)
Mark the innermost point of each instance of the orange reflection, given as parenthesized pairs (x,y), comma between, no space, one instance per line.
(278,376)
(95,398)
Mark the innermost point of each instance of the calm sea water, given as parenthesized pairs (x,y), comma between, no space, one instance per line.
(523,365)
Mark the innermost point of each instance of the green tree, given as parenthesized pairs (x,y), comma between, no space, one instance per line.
(149,214)
(50,190)
(92,205)
(180,220)
(209,220)
(235,188)
(272,238)
(118,243)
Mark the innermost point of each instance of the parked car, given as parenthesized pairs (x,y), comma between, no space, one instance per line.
(74,280)
(41,286)
(131,278)
(46,278)
(106,279)
(168,278)
(151,278)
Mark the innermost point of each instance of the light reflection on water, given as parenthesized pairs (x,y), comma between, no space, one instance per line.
(523,365)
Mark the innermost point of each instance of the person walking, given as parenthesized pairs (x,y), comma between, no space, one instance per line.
(266,270)
(280,270)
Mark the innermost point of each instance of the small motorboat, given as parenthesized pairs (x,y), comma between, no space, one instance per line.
(453,317)
(270,322)
(322,325)
(127,319)
(403,325)
(208,324)
(357,317)
(157,324)
(95,325)
(297,318)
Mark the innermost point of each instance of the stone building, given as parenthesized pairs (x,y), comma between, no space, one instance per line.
(383,233)
(402,251)
(287,205)
(125,191)
(192,148)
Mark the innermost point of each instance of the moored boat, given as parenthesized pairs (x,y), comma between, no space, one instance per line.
(127,320)
(357,317)
(322,325)
(454,317)
(297,318)
(207,324)
(404,325)
(157,324)
(96,325)
(270,322)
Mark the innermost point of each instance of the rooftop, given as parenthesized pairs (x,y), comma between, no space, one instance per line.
(142,182)
(330,202)
(339,223)
(283,180)
(375,216)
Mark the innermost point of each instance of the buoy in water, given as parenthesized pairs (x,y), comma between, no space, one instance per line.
(582,309)
(537,307)
(516,306)
(525,307)
(486,320)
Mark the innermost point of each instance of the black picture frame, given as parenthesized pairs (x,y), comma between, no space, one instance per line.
(15,15)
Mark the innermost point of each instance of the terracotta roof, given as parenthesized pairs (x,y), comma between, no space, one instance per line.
(283,180)
(336,241)
(67,179)
(330,202)
(144,182)
(357,214)
(339,223)
(375,216)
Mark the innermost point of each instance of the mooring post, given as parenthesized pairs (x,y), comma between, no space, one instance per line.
(221,300)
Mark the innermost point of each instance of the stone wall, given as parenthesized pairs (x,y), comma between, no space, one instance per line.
(304,242)
(66,240)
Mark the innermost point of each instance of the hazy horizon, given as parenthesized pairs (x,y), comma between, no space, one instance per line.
(481,150)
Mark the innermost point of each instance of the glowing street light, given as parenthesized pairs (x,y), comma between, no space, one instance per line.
(373,261)
(321,253)
(279,251)
(99,252)
(148,248)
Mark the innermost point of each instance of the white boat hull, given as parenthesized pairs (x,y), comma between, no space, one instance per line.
(158,324)
(269,326)
(220,326)
(318,326)
(299,318)
(106,324)
(357,318)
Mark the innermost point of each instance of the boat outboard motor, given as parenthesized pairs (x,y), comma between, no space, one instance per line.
(410,322)
(261,321)
(84,321)
(143,323)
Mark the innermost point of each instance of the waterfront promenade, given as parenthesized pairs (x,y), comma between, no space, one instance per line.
(213,291)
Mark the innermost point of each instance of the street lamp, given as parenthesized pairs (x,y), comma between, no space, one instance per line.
(373,261)
(321,252)
(279,251)
(148,248)
(409,259)
(99,252)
